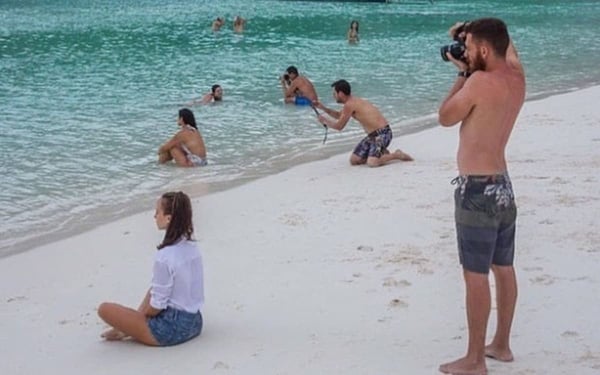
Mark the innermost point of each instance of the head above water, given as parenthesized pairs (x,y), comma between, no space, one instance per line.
(187,117)
(174,213)
(292,71)
(217,92)
(354,25)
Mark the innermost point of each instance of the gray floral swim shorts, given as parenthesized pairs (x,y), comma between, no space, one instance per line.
(485,215)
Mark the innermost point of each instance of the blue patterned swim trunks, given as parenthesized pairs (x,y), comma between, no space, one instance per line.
(375,144)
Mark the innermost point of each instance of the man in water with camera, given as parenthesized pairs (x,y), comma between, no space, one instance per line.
(297,89)
(486,98)
(372,150)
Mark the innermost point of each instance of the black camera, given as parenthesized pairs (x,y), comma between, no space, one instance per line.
(286,77)
(458,47)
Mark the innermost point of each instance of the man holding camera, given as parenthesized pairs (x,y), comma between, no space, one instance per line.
(297,89)
(372,150)
(486,98)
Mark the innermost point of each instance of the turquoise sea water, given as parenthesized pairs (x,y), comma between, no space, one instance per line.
(90,89)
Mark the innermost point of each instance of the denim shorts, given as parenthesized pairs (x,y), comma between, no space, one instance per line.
(172,326)
(485,214)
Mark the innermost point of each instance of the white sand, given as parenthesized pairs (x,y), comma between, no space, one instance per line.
(332,269)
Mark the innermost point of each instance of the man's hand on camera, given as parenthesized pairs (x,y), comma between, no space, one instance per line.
(461,65)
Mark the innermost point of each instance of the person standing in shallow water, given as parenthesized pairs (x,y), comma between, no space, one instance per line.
(170,313)
(186,147)
(352,34)
(238,24)
(486,98)
(372,150)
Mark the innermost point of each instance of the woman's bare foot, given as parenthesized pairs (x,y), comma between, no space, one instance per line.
(113,335)
(502,355)
(403,156)
(463,366)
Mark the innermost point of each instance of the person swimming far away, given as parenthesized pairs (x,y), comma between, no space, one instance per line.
(214,95)
(352,34)
(238,24)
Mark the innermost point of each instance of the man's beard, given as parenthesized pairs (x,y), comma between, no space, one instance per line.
(478,63)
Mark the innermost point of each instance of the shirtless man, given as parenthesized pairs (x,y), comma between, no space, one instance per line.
(297,89)
(186,147)
(486,97)
(372,150)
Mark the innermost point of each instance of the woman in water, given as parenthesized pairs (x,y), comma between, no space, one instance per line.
(186,147)
(353,32)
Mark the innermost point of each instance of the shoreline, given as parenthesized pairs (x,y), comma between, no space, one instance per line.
(326,268)
(334,147)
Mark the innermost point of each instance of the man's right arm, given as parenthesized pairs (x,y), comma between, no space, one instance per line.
(331,112)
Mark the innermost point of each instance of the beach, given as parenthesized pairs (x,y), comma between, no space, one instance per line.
(331,269)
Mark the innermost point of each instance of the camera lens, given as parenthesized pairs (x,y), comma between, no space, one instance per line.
(443,51)
(456,49)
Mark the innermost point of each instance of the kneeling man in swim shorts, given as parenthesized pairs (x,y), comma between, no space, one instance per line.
(297,89)
(372,150)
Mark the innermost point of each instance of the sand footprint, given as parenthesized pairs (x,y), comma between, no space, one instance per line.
(391,282)
(568,334)
(543,279)
(397,303)
(220,366)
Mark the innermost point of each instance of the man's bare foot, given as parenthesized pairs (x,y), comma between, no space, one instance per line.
(502,355)
(113,335)
(463,366)
(403,156)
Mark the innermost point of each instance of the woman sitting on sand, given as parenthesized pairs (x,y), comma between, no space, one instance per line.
(353,32)
(170,312)
(186,147)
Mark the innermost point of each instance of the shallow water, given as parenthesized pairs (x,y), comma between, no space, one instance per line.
(90,89)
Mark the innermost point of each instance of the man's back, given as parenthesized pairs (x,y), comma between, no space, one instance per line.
(484,133)
(306,88)
(366,113)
